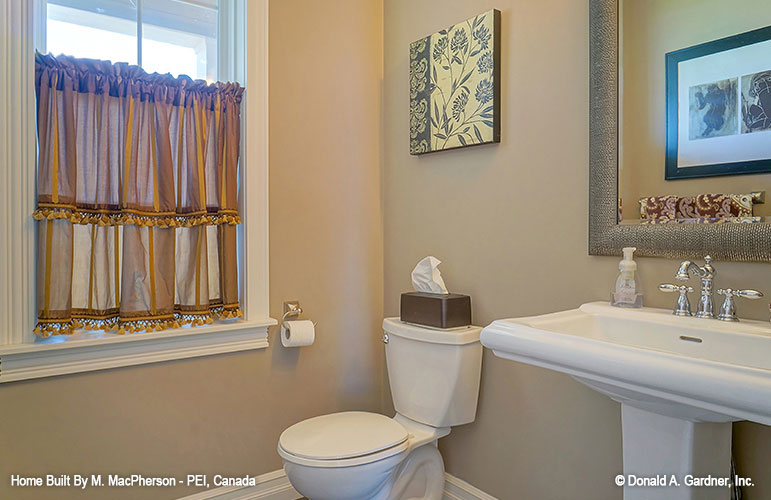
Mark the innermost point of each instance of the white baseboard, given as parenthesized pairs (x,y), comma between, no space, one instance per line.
(458,489)
(271,486)
(275,486)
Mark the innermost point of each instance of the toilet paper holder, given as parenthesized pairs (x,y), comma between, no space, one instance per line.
(292,310)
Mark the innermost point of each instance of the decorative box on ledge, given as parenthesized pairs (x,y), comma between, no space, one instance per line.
(450,310)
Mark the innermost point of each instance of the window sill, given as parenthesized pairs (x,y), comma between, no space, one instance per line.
(91,352)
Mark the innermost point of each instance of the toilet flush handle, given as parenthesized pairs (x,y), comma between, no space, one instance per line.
(385,338)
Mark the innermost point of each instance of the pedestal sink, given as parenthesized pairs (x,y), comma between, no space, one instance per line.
(681,381)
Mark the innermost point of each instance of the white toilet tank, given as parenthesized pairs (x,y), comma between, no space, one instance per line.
(434,374)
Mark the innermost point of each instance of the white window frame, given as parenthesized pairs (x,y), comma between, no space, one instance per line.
(242,58)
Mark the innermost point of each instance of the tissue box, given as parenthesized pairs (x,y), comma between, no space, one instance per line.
(438,310)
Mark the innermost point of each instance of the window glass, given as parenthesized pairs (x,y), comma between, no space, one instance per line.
(93,33)
(178,36)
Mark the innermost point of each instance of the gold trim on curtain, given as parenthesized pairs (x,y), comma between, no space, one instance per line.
(134,172)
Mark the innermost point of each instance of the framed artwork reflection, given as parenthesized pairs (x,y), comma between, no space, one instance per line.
(718,106)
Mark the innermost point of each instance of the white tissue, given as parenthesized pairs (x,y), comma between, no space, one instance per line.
(426,276)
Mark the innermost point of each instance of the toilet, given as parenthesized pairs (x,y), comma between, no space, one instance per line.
(434,376)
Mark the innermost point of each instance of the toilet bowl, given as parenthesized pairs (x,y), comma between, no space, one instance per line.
(434,377)
(360,455)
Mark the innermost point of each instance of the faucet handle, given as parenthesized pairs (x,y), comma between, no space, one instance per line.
(669,288)
(683,305)
(747,294)
(728,309)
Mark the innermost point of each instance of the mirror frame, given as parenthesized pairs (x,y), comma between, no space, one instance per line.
(731,241)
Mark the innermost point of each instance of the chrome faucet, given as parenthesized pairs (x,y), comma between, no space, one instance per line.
(706,273)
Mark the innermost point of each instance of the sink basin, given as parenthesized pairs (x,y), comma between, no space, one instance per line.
(680,380)
(696,369)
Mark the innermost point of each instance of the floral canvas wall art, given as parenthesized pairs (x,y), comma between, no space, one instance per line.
(455,86)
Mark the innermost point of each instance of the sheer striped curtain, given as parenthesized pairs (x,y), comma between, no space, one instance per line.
(137,198)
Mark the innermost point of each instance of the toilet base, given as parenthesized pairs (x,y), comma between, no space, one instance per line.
(419,477)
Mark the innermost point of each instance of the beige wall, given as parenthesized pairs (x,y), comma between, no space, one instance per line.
(538,434)
(651,29)
(224,413)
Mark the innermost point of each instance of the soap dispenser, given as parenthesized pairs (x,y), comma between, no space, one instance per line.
(628,292)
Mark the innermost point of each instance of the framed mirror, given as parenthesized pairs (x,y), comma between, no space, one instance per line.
(680,137)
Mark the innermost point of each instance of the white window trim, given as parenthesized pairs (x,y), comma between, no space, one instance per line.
(21,359)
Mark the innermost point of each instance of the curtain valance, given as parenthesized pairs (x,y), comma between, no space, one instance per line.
(121,146)
(137,197)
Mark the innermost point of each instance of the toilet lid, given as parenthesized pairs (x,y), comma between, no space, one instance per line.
(342,435)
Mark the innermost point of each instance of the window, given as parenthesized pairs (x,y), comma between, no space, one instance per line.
(201,38)
(164,36)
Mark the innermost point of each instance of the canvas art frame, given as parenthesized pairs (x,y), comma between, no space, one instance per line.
(455,86)
(718,107)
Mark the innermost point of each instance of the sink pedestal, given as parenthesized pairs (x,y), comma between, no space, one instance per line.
(656,446)
(680,381)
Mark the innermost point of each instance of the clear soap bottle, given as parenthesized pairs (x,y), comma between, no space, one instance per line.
(628,292)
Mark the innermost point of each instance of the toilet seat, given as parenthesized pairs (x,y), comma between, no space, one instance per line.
(346,462)
(343,440)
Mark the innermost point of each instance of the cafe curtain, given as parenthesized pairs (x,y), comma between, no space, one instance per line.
(136,198)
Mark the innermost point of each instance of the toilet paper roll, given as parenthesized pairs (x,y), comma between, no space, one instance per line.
(298,333)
